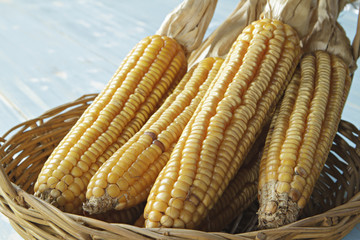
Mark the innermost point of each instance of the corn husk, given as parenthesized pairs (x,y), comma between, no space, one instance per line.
(188,22)
(328,35)
(299,14)
(220,40)
(316,24)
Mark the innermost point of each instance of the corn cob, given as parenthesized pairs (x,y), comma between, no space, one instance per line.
(127,176)
(122,107)
(232,113)
(304,129)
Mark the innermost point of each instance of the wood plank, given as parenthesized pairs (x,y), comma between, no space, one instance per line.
(56,52)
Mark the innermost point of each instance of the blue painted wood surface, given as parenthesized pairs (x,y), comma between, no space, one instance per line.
(52,52)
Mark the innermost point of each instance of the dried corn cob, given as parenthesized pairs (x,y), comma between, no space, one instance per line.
(124,104)
(126,178)
(232,113)
(304,129)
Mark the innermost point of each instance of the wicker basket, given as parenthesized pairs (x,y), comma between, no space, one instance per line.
(333,211)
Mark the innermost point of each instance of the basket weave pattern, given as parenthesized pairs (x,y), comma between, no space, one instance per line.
(333,211)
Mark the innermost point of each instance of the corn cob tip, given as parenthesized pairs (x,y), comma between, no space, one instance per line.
(127,216)
(99,205)
(46,196)
(65,201)
(279,209)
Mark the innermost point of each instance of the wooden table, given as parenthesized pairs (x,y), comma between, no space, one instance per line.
(52,52)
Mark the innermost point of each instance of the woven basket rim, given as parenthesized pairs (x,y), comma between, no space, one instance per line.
(23,208)
(21,198)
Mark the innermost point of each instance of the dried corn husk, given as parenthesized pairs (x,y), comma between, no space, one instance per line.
(299,14)
(219,42)
(188,22)
(316,23)
(328,35)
